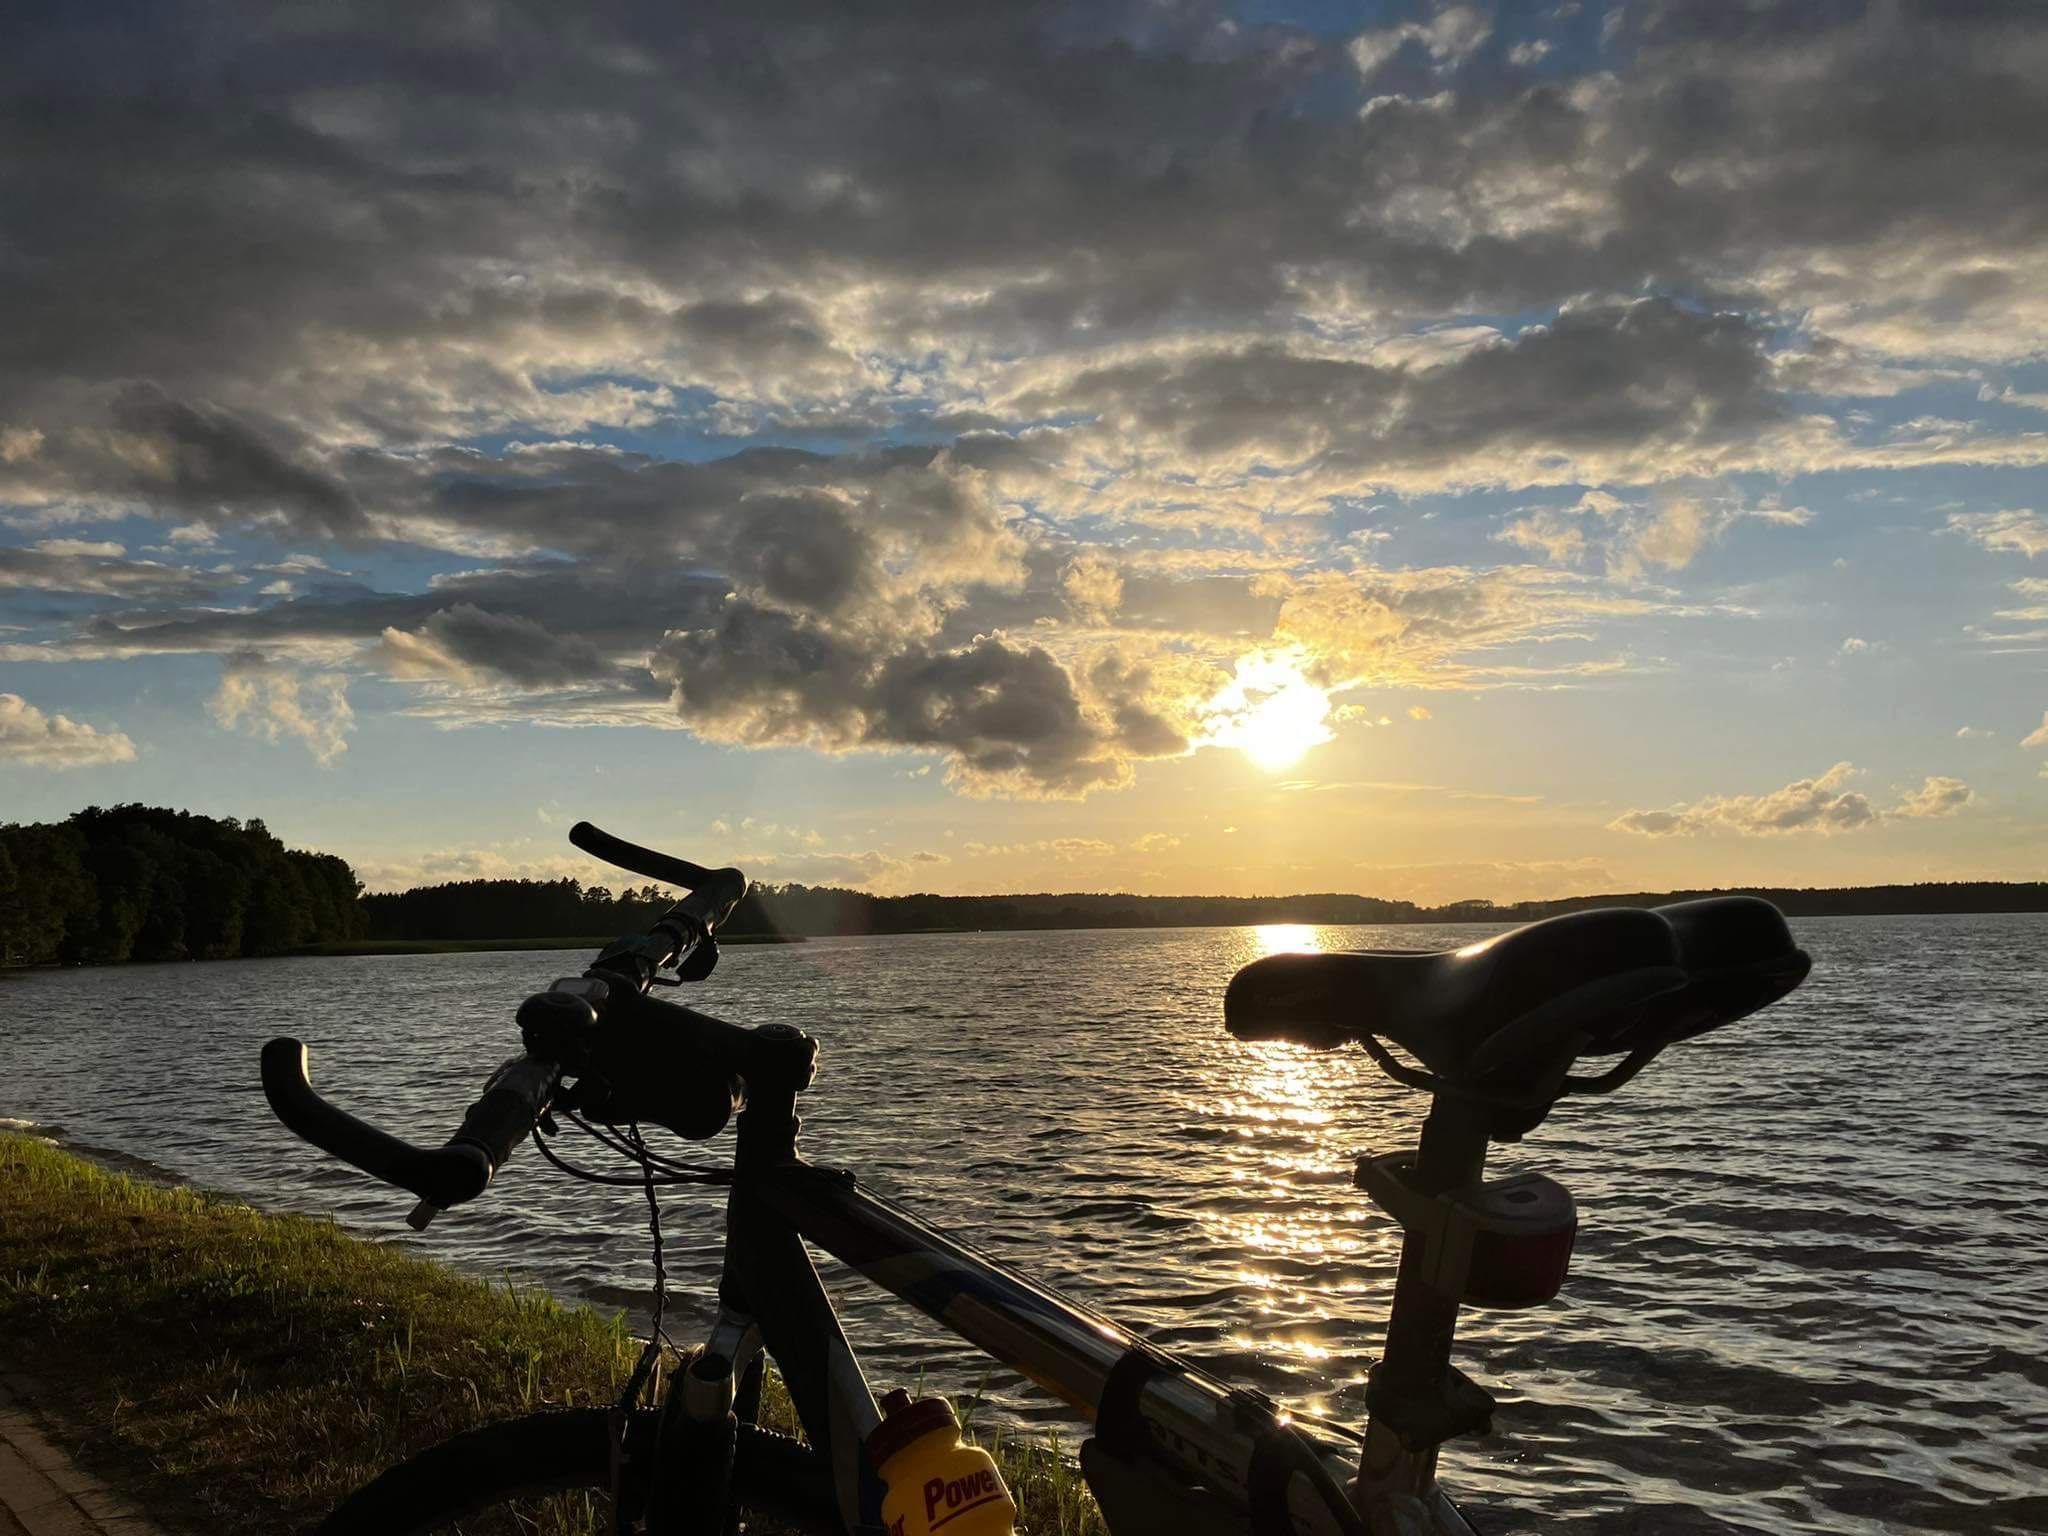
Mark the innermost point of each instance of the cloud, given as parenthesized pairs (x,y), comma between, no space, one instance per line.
(465,644)
(27,735)
(1008,718)
(1936,797)
(2022,530)
(273,702)
(2013,397)
(2037,738)
(97,569)
(1631,540)
(1559,539)
(182,459)
(1670,540)
(1627,393)
(1823,804)
(1449,37)
(1432,627)
(1093,585)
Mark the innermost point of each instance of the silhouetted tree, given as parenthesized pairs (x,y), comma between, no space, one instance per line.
(134,882)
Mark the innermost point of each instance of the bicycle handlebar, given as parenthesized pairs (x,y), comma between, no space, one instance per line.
(513,1100)
(518,1094)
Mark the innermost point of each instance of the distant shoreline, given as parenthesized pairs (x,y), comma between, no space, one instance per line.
(143,884)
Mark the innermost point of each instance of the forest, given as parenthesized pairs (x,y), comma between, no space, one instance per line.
(514,909)
(139,883)
(136,883)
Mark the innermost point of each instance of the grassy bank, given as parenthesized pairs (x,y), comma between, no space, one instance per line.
(486,946)
(238,1373)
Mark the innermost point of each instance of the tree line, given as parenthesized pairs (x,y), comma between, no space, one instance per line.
(521,909)
(134,882)
(511,909)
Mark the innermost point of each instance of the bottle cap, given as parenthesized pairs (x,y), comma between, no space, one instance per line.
(907,1421)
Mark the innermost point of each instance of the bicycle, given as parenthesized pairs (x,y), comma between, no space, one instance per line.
(1492,1032)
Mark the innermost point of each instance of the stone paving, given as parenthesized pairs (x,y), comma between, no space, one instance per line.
(43,1492)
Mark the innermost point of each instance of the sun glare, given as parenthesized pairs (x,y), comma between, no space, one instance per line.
(1270,711)
(1280,938)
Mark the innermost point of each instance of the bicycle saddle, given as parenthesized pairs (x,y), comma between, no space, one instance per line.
(1609,981)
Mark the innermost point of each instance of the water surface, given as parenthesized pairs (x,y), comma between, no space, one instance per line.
(1812,1269)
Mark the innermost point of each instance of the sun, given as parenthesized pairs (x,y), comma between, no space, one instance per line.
(1270,710)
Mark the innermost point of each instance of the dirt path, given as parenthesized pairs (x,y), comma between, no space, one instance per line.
(43,1492)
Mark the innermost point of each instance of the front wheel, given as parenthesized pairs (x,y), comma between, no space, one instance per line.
(551,1475)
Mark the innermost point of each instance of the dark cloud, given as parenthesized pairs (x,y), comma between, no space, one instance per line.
(607,613)
(765,678)
(1004,713)
(194,460)
(1008,718)
(394,226)
(1642,390)
(466,641)
(97,575)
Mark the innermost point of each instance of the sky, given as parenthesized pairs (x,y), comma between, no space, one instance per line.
(1432,451)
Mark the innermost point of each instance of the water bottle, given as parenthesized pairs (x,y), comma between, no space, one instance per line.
(935,1484)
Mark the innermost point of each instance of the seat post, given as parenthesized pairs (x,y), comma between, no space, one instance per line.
(1425,1313)
(1414,1378)
(1453,1148)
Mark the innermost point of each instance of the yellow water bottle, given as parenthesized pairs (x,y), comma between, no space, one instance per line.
(936,1484)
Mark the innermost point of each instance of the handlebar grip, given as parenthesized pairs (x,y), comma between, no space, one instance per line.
(513,1102)
(713,892)
(712,902)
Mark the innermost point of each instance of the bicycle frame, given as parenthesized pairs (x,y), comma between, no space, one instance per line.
(1175,1452)
(1164,1428)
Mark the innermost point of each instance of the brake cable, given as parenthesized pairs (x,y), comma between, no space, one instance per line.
(656,1172)
(650,1357)
(644,1153)
(668,1173)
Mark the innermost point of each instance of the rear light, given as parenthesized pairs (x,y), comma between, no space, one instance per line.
(1522,1231)
(1507,1243)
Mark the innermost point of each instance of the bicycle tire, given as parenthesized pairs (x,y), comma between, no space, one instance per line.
(565,1451)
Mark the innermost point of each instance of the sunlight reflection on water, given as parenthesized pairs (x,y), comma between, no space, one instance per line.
(1279,938)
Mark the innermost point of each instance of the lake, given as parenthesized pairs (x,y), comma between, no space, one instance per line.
(1810,1291)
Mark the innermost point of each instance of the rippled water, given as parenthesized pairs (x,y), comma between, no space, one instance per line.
(1812,1270)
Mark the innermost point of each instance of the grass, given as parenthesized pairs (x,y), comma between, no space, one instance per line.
(237,1372)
